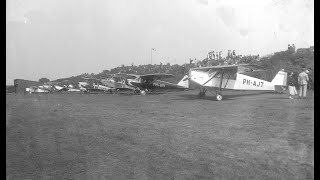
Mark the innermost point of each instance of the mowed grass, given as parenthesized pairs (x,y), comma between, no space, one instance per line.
(248,135)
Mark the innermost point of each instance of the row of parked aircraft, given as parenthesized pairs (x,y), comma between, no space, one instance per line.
(212,79)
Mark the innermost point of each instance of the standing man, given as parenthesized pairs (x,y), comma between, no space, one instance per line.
(303,82)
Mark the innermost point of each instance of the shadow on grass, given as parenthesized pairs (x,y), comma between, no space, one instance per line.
(148,94)
(225,97)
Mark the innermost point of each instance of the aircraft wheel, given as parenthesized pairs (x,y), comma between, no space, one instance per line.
(143,92)
(110,91)
(219,97)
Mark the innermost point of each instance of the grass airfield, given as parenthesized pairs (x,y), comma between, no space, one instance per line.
(247,135)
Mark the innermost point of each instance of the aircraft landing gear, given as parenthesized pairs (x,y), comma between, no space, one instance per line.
(202,93)
(219,97)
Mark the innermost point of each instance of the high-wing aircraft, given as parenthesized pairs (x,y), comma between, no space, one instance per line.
(140,84)
(97,86)
(83,86)
(61,88)
(236,77)
(48,88)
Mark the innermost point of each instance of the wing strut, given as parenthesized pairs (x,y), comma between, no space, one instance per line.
(221,82)
(227,80)
(210,78)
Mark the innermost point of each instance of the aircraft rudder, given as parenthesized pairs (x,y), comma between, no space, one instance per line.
(184,82)
(280,78)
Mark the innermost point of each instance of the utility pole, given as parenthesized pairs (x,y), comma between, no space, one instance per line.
(152,49)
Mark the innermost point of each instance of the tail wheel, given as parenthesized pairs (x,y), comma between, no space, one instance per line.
(110,91)
(219,97)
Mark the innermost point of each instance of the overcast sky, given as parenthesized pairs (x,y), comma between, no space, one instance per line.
(62,38)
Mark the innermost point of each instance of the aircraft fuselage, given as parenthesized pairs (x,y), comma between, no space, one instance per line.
(237,82)
(155,85)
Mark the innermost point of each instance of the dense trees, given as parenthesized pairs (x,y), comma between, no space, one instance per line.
(44,80)
(291,62)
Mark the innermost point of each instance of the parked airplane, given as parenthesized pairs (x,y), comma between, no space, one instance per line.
(141,84)
(97,86)
(235,77)
(61,88)
(83,86)
(47,87)
(35,89)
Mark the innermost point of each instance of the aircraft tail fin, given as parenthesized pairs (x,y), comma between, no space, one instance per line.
(280,78)
(184,82)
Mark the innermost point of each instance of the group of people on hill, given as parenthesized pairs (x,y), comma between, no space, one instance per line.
(303,80)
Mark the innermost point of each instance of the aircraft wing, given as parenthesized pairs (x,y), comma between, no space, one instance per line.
(146,76)
(155,76)
(217,68)
(123,75)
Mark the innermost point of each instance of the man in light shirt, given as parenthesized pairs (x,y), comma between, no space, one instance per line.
(303,82)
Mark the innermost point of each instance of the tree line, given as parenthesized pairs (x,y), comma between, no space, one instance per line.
(291,61)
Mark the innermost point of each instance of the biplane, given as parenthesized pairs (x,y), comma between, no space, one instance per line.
(235,77)
(140,84)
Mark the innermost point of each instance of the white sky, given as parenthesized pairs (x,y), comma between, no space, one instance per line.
(88,36)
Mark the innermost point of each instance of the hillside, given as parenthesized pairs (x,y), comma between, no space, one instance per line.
(291,61)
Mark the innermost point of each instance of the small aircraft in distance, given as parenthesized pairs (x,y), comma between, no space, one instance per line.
(48,88)
(61,88)
(236,77)
(72,89)
(97,86)
(35,89)
(140,84)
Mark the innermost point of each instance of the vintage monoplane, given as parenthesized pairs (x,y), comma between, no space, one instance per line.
(35,89)
(140,84)
(95,86)
(236,77)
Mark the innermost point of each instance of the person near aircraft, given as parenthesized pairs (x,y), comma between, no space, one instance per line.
(303,82)
(291,86)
